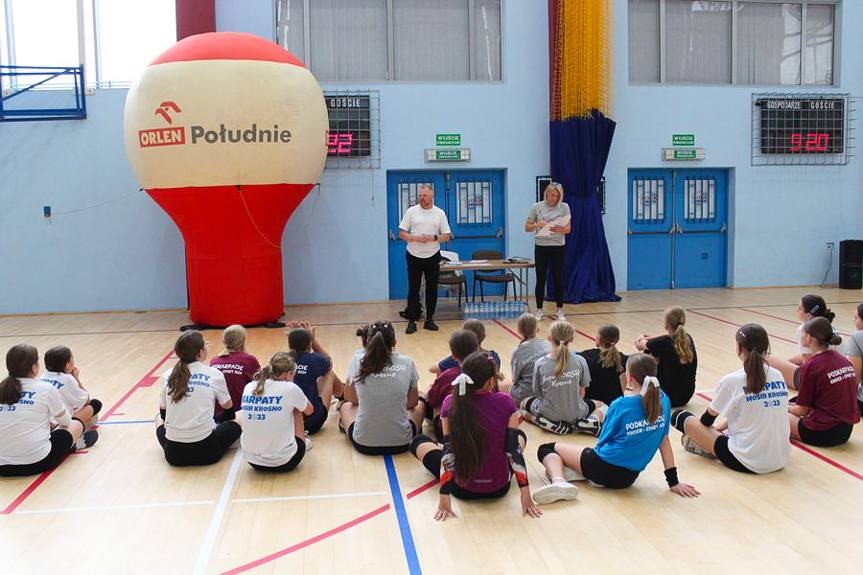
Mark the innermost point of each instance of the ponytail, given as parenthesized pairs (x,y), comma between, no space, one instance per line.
(562,334)
(640,366)
(281,363)
(609,355)
(467,434)
(753,338)
(187,348)
(675,317)
(379,351)
(20,360)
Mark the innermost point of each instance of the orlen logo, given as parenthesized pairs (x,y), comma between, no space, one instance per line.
(172,136)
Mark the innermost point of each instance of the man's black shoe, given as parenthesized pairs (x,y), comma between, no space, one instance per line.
(430,325)
(412,327)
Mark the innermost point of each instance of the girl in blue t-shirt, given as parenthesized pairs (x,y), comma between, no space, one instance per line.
(635,427)
(314,375)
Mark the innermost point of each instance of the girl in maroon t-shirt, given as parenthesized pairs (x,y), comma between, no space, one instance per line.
(482,446)
(826,408)
(238,367)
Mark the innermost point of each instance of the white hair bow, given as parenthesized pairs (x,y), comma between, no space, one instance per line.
(462,381)
(648,381)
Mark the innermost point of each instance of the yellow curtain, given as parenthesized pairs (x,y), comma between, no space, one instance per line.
(582,73)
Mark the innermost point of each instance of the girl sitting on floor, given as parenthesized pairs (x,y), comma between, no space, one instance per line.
(523,358)
(381,411)
(238,367)
(63,374)
(636,426)
(854,353)
(314,374)
(272,417)
(482,446)
(478,328)
(809,306)
(825,409)
(607,366)
(185,427)
(754,401)
(675,353)
(560,379)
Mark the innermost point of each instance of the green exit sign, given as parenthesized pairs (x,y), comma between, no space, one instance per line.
(683,140)
(448,140)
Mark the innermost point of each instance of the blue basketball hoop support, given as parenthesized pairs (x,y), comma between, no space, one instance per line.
(35,83)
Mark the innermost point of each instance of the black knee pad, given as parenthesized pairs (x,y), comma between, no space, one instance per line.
(417,441)
(678,419)
(543,450)
(96,405)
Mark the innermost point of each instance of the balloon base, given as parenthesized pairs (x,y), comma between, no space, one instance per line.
(202,327)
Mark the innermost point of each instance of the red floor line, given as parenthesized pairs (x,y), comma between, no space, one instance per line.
(506,328)
(146,381)
(307,542)
(806,449)
(419,490)
(581,333)
(737,325)
(30,489)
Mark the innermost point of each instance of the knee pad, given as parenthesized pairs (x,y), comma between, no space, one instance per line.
(417,441)
(96,405)
(543,450)
(678,419)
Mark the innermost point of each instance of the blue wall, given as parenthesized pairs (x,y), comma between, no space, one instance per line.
(129,255)
(781,217)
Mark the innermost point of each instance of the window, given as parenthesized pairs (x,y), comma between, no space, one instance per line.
(756,42)
(401,40)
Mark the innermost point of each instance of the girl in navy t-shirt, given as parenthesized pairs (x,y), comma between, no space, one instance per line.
(314,375)
(635,427)
(676,356)
(482,446)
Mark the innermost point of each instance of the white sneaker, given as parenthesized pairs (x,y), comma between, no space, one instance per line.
(560,315)
(308,441)
(538,314)
(557,491)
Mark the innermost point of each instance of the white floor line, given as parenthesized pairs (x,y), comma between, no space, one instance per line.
(303,497)
(218,515)
(114,507)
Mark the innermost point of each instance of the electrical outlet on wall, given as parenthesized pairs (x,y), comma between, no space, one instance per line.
(830,245)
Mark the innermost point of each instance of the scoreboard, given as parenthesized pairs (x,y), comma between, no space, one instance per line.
(349,135)
(801,124)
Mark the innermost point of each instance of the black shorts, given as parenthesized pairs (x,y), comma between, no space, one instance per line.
(836,435)
(61,444)
(291,464)
(314,422)
(605,474)
(724,455)
(432,462)
(383,450)
(205,452)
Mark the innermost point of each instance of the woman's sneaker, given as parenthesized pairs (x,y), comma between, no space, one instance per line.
(87,439)
(560,315)
(538,314)
(692,447)
(557,491)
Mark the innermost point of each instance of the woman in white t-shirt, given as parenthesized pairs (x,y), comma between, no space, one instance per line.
(63,374)
(809,306)
(185,426)
(272,417)
(754,401)
(28,446)
(381,411)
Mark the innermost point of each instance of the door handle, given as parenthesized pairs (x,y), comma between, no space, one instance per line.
(500,232)
(723,228)
(392,236)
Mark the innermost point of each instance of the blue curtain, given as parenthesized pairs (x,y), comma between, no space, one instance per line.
(579,151)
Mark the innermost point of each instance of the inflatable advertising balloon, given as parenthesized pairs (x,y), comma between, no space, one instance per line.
(227,133)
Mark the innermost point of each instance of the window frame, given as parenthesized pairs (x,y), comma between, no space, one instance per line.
(307,45)
(734,30)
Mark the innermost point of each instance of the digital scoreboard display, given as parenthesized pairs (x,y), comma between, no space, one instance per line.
(802,125)
(350,134)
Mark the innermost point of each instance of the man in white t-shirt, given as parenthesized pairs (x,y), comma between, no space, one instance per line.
(424,226)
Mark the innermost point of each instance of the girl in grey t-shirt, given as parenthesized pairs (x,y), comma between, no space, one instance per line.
(854,353)
(560,379)
(524,357)
(382,412)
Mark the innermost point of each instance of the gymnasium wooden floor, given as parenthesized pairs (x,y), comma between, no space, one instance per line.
(118,507)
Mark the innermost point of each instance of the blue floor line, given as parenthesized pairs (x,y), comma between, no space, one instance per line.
(401,514)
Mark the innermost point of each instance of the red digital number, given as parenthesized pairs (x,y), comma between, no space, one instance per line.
(345,141)
(796,142)
(822,142)
(332,143)
(811,142)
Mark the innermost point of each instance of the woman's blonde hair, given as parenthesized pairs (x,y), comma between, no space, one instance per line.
(562,334)
(527,326)
(281,363)
(553,186)
(234,338)
(675,317)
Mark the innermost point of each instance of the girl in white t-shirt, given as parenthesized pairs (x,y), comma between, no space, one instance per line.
(809,306)
(28,446)
(754,400)
(272,417)
(185,426)
(63,374)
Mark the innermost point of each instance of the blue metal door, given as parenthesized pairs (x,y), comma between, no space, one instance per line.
(677,228)
(474,205)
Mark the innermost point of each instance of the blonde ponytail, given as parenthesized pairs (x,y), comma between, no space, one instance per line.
(280,364)
(675,317)
(608,336)
(562,334)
